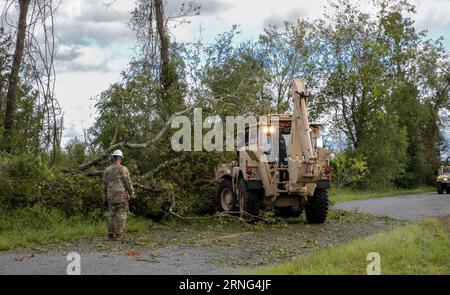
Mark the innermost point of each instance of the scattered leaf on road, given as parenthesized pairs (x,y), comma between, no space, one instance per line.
(25,258)
(132,253)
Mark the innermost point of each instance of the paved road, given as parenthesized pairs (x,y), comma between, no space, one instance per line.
(409,207)
(173,261)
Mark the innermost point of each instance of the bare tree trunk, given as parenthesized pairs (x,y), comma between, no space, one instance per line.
(165,78)
(11,96)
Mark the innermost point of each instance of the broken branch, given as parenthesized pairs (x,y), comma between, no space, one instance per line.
(122,144)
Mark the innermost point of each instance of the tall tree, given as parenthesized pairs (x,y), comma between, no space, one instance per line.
(11,96)
(32,71)
(385,87)
(285,53)
(5,62)
(165,77)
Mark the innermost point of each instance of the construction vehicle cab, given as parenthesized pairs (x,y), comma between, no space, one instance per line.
(280,165)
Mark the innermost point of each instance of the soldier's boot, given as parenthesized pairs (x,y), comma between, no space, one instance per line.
(112,237)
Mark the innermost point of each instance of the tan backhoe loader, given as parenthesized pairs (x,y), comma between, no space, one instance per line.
(280,166)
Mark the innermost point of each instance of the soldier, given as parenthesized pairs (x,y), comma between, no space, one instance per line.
(118,190)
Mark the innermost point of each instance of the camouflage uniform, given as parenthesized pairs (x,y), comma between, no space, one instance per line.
(118,190)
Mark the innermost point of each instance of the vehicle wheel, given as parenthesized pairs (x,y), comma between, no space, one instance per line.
(226,198)
(249,201)
(440,188)
(316,208)
(288,212)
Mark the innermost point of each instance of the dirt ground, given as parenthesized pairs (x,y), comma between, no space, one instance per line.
(219,246)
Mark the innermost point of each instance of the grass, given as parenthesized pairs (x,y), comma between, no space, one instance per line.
(344,195)
(29,227)
(419,248)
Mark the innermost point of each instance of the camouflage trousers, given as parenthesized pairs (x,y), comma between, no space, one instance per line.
(117,217)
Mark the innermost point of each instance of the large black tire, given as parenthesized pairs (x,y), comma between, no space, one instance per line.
(288,212)
(440,188)
(249,201)
(316,208)
(226,198)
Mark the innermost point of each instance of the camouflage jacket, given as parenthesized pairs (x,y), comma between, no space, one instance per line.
(117,184)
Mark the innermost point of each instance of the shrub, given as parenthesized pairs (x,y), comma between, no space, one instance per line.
(72,193)
(21,178)
(349,169)
(27,180)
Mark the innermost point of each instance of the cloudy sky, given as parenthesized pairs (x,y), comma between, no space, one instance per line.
(96,43)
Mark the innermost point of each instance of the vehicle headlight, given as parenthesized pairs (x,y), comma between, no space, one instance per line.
(269,130)
(445,179)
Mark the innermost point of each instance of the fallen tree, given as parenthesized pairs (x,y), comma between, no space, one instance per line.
(151,143)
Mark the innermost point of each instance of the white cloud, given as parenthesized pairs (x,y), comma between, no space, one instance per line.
(96,46)
(75,91)
(82,22)
(277,19)
(73,59)
(252,16)
(433,15)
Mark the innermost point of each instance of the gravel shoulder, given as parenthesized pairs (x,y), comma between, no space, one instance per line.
(224,246)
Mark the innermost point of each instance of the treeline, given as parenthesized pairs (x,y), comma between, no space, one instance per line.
(380,87)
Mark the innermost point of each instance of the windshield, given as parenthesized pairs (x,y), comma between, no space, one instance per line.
(446,170)
(284,141)
(276,154)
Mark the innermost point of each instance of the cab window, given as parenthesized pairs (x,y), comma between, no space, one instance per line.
(253,136)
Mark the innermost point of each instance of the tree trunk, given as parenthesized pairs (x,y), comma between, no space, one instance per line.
(11,96)
(165,78)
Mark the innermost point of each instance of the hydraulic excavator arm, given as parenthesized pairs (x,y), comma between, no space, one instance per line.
(305,164)
(300,146)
